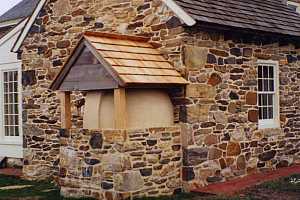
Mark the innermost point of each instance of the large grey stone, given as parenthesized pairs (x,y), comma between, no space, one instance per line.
(32,130)
(195,156)
(115,162)
(195,57)
(128,181)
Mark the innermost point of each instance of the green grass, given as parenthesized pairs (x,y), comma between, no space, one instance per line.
(286,184)
(45,190)
(191,196)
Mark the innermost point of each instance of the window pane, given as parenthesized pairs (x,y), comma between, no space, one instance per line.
(260,113)
(270,112)
(260,72)
(271,85)
(11,77)
(271,72)
(260,84)
(5,88)
(5,76)
(16,109)
(264,100)
(265,72)
(6,131)
(266,85)
(11,131)
(17,131)
(270,99)
(265,113)
(15,76)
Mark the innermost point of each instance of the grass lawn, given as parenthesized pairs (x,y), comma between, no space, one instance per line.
(287,188)
(34,190)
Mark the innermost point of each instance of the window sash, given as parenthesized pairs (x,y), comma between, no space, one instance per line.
(10,104)
(268,95)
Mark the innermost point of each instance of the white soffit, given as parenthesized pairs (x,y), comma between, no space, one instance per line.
(186,18)
(13,31)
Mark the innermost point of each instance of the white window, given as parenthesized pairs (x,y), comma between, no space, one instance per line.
(10,81)
(294,6)
(268,94)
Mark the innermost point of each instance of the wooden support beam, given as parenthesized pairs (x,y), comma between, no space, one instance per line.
(66,114)
(120,108)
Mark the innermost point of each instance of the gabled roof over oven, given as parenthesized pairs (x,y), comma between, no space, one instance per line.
(108,61)
(262,15)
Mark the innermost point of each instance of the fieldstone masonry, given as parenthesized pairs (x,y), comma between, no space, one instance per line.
(217,112)
(115,164)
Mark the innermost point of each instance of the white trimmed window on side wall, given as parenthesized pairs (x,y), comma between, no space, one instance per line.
(268,94)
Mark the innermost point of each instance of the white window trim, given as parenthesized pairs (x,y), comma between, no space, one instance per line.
(8,140)
(294,4)
(271,123)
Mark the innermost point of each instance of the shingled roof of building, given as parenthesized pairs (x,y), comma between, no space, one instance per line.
(21,10)
(262,15)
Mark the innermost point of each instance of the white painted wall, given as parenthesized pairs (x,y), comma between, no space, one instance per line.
(10,146)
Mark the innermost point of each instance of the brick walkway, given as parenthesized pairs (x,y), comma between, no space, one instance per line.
(234,186)
(11,172)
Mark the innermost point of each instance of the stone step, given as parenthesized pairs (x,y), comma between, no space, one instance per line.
(3,163)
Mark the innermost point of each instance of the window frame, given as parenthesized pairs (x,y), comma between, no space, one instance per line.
(11,140)
(275,122)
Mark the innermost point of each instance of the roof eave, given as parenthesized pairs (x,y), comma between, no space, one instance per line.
(181,14)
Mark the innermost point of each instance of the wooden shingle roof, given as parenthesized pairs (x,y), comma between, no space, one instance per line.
(130,60)
(263,15)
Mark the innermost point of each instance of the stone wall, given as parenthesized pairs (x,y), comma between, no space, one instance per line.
(112,164)
(50,41)
(221,114)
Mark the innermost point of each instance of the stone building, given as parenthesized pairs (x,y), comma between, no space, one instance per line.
(238,114)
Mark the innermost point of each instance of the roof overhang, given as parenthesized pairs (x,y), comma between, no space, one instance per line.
(130,61)
(16,47)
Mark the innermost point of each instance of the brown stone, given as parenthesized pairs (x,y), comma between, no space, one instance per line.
(251,98)
(63,44)
(219,52)
(211,139)
(214,79)
(247,52)
(232,107)
(223,146)
(233,149)
(229,161)
(222,163)
(241,162)
(214,153)
(200,91)
(197,113)
(253,115)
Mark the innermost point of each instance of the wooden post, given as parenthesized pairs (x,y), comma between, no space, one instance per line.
(120,108)
(66,114)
